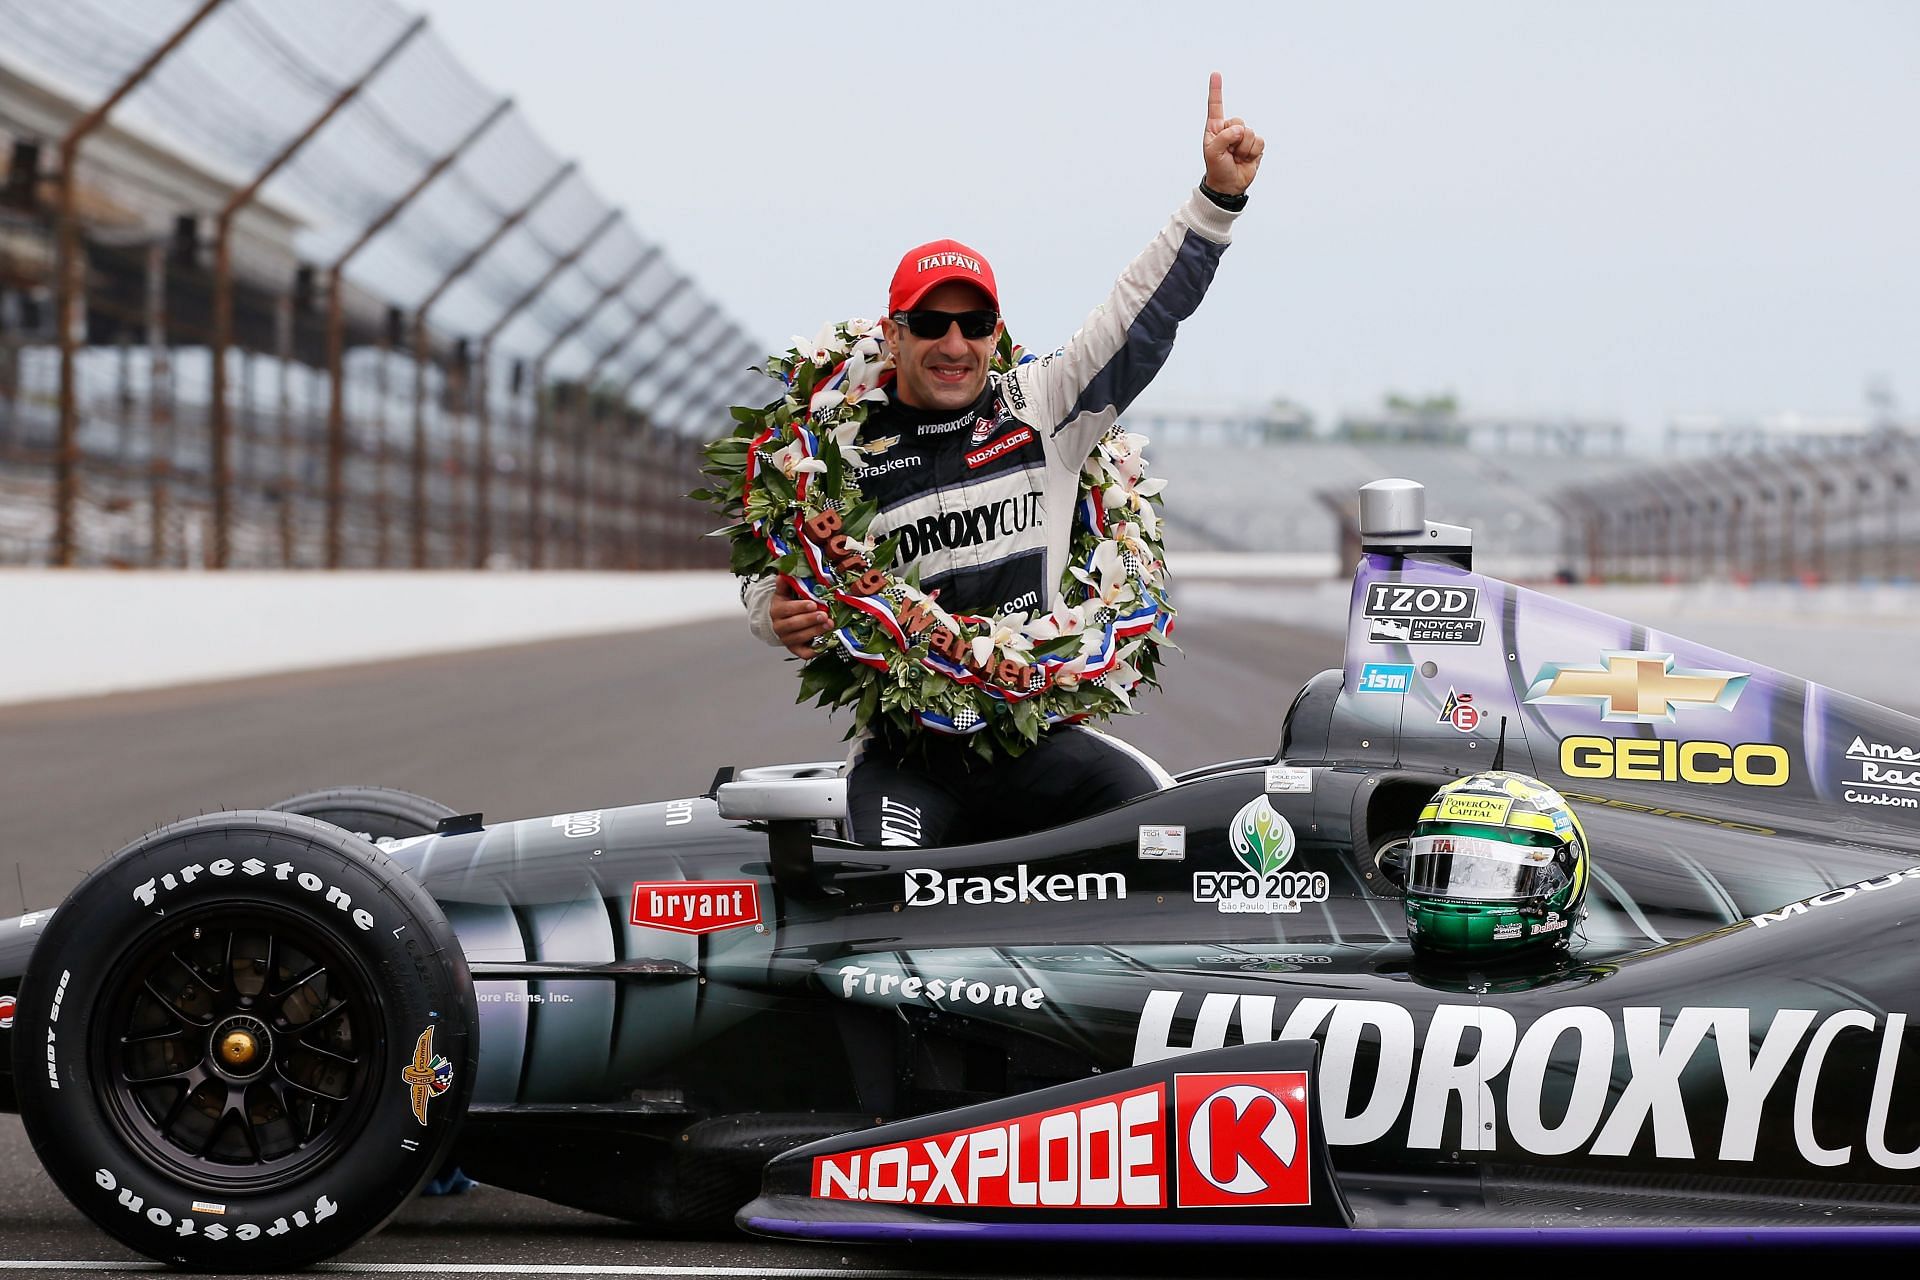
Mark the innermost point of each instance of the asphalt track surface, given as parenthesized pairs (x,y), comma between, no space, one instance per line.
(520,732)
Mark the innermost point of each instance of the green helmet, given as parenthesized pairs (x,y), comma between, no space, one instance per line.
(1497,866)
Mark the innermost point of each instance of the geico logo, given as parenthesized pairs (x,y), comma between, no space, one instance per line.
(1833,896)
(1106,1153)
(1242,1136)
(220,868)
(1756,764)
(929,888)
(185,1225)
(1605,1082)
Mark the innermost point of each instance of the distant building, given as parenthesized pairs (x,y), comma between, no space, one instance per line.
(1579,437)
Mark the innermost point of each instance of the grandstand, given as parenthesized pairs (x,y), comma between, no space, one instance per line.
(282,284)
(1298,496)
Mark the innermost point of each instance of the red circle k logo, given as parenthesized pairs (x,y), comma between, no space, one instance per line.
(1242,1138)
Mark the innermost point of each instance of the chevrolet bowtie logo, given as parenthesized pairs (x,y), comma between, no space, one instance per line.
(1643,688)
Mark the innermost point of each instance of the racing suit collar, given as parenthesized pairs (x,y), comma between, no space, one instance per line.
(898,414)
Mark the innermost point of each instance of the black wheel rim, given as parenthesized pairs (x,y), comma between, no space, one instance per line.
(240,1047)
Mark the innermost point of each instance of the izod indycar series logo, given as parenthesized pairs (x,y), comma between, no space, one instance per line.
(1264,843)
(1419,613)
(695,906)
(1888,775)
(1242,1138)
(1105,1153)
(1683,1084)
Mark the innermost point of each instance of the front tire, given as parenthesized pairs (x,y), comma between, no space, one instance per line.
(244,1041)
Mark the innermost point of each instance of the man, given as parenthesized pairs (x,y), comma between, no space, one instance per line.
(978,476)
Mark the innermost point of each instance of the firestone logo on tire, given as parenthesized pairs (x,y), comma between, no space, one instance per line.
(696,906)
(1241,1138)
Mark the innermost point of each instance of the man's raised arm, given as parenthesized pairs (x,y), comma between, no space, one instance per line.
(1127,338)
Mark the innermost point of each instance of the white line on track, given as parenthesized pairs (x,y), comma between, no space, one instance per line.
(498,1269)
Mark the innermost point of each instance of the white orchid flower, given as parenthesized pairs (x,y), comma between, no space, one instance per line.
(1108,581)
(1007,636)
(1067,675)
(862,385)
(1064,620)
(793,463)
(825,400)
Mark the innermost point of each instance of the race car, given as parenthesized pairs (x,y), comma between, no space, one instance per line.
(247,1038)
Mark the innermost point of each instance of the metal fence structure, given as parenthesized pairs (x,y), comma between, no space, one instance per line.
(1768,515)
(282,285)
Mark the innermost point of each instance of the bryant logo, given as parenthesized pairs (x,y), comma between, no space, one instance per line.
(1242,1138)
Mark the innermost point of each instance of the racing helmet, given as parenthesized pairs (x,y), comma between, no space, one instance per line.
(1497,866)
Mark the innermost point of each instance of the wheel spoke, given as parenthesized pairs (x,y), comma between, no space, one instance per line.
(193,1077)
(219,1123)
(243,1116)
(281,997)
(340,1058)
(173,1112)
(166,1002)
(311,1024)
(194,973)
(291,1083)
(151,1036)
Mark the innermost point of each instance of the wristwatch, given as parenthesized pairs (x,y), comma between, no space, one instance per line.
(1232,204)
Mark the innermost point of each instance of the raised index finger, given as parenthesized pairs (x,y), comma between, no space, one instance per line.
(1214,112)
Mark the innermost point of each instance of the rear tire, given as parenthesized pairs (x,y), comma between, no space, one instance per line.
(378,813)
(217,1040)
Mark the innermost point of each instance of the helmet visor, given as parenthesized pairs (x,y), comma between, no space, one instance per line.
(1480,870)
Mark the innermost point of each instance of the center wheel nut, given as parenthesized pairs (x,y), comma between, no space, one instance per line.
(242,1045)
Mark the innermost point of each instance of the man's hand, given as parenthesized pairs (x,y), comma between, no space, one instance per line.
(797,623)
(1230,149)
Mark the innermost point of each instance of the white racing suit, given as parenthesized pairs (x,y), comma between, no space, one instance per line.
(983,499)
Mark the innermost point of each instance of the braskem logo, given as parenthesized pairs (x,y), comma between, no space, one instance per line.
(1386,677)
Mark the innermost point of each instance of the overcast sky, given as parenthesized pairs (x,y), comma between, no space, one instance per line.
(1618,209)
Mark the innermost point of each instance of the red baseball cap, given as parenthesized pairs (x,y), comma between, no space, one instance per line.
(935,263)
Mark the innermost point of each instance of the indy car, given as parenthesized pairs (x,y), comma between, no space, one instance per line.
(247,1038)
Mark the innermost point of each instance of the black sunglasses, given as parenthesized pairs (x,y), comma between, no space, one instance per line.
(933,324)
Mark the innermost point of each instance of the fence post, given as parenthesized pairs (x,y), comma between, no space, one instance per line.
(70,278)
(542,419)
(159,405)
(420,352)
(223,294)
(337,325)
(484,521)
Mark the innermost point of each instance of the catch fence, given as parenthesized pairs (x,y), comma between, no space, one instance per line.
(282,284)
